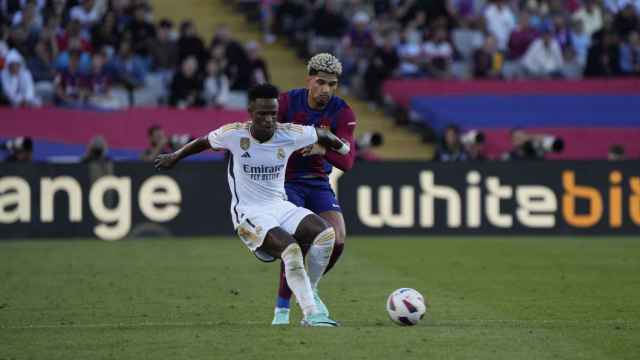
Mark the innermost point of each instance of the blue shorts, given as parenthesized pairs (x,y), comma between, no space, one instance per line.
(313,194)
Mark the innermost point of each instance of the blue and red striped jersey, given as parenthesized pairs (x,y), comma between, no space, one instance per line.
(337,116)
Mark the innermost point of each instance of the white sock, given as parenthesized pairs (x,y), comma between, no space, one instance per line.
(319,255)
(297,278)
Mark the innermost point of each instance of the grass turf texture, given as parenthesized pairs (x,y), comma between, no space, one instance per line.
(491,298)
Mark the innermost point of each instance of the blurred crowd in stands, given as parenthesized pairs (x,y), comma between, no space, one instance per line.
(507,39)
(111,54)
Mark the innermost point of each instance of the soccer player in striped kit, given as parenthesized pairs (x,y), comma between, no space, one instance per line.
(307,176)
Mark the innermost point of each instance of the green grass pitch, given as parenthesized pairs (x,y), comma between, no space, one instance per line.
(490,298)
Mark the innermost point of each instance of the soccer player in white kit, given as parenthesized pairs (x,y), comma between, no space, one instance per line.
(269,225)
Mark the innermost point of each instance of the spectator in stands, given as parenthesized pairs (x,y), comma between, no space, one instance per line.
(616,6)
(571,66)
(29,18)
(522,36)
(106,35)
(164,50)
(69,84)
(356,46)
(267,18)
(467,38)
(626,20)
(190,43)
(451,149)
(500,22)
(543,59)
(20,36)
(328,26)
(45,51)
(74,45)
(238,68)
(98,86)
(590,15)
(465,9)
(17,82)
(186,87)
(216,85)
(217,54)
(72,38)
(121,8)
(561,31)
(42,60)
(488,61)
(257,65)
(142,32)
(382,65)
(616,153)
(158,143)
(603,58)
(87,13)
(438,53)
(130,70)
(4,46)
(580,42)
(55,8)
(409,53)
(630,54)
(539,11)
(164,60)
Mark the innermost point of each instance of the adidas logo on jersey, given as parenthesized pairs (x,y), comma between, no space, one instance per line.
(246,155)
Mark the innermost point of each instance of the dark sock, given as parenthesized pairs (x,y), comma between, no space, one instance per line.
(335,255)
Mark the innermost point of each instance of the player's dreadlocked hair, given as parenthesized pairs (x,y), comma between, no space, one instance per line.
(326,63)
(263,91)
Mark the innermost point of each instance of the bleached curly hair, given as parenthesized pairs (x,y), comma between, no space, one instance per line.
(324,62)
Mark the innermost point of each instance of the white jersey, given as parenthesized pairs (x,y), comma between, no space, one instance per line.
(256,170)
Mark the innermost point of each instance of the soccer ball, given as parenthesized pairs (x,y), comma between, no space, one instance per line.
(406,307)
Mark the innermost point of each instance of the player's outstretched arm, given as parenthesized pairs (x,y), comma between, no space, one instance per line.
(167,161)
(327,139)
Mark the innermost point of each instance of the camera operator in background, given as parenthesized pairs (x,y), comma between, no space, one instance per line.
(528,146)
(158,143)
(616,153)
(20,149)
(473,141)
(97,157)
(364,145)
(451,148)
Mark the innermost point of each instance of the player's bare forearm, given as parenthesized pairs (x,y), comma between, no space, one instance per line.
(167,161)
(327,139)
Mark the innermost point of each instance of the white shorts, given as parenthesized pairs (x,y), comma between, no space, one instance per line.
(256,222)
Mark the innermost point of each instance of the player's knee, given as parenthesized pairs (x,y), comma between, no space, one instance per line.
(325,237)
(277,241)
(311,226)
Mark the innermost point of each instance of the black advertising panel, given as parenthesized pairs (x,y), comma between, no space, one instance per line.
(553,197)
(382,198)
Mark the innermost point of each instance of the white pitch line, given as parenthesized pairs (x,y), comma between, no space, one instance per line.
(226,323)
